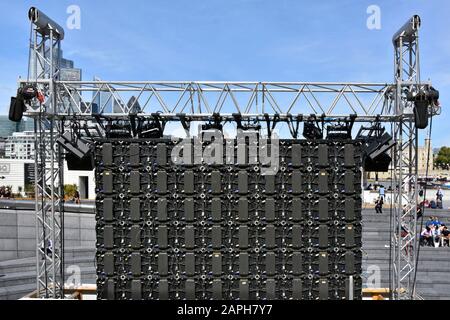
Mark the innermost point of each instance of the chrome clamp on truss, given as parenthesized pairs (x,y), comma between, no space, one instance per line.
(181,101)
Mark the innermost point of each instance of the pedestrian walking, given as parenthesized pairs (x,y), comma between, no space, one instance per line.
(379,205)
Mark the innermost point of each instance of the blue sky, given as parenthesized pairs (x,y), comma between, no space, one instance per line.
(234,40)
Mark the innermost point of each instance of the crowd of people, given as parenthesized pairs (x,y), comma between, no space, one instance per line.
(433,204)
(5,192)
(435,234)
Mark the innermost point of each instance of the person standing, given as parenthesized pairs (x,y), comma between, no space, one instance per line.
(379,205)
(8,193)
(47,251)
(439,198)
(381,192)
(77,197)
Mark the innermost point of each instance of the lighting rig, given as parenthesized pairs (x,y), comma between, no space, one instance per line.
(406,104)
(377,143)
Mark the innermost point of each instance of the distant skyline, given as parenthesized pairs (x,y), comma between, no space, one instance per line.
(235,40)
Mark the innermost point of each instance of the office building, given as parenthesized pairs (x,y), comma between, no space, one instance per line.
(20,145)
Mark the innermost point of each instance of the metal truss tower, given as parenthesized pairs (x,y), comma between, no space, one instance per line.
(404,236)
(49,185)
(190,101)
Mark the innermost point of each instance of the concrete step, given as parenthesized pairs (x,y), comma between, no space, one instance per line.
(421,281)
(17,291)
(18,278)
(443,284)
(68,254)
(422,266)
(384,266)
(434,264)
(79,252)
(375,233)
(29,264)
(375,250)
(426,279)
(375,219)
(430,293)
(434,254)
(18,265)
(425,292)
(381,245)
(369,212)
(385,224)
(370,228)
(374,244)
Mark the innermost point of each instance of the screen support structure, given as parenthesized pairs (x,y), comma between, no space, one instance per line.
(44,66)
(178,101)
(404,236)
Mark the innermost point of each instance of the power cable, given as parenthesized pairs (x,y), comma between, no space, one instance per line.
(61,212)
(390,229)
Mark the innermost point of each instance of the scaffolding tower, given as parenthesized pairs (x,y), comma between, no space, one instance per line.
(187,102)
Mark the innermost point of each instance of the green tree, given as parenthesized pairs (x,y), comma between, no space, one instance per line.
(69,190)
(443,158)
(29,188)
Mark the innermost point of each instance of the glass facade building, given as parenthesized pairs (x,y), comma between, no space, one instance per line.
(103,100)
(8,127)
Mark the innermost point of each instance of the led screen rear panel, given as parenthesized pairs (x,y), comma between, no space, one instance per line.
(226,231)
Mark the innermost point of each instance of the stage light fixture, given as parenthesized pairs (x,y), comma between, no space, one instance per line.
(341,130)
(85,164)
(376,145)
(17,105)
(79,154)
(118,130)
(311,129)
(377,164)
(73,144)
(422,101)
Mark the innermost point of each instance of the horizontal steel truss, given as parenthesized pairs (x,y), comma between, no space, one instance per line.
(252,100)
(68,100)
(366,100)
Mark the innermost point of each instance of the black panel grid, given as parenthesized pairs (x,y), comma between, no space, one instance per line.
(167,231)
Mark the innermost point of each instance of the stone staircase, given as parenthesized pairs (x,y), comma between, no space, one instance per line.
(18,277)
(433,281)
